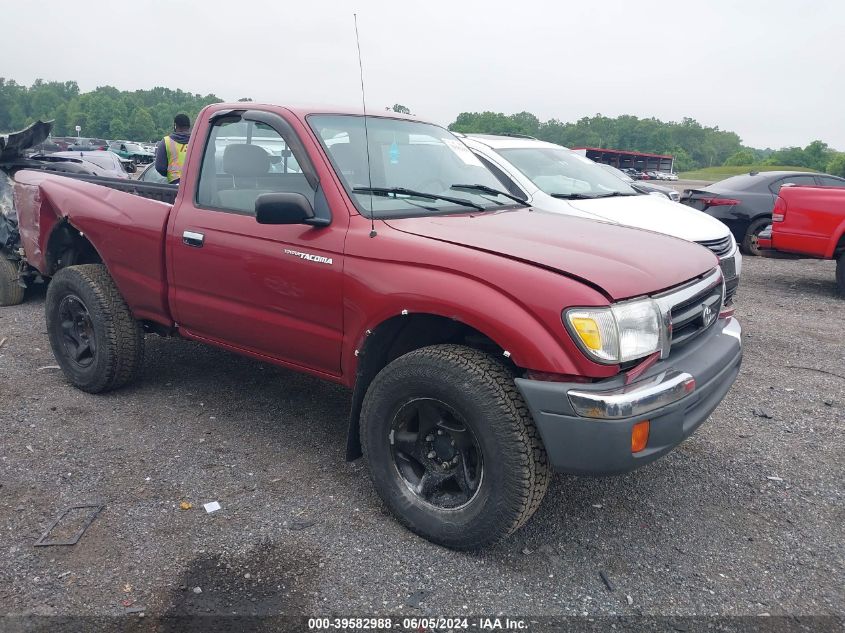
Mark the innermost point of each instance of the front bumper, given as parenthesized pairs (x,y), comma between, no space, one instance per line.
(663,395)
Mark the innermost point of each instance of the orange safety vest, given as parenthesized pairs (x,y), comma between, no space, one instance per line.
(175,158)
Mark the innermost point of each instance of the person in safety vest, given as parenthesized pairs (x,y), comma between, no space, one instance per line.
(171,150)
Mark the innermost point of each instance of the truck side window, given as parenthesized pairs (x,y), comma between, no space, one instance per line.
(244,159)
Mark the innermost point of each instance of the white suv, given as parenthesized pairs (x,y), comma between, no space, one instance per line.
(550,177)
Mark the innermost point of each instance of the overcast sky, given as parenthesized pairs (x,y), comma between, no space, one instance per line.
(771,70)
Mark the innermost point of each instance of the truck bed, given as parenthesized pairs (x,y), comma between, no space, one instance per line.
(126,220)
(153,191)
(9,236)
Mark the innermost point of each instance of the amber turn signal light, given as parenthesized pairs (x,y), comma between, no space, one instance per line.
(639,436)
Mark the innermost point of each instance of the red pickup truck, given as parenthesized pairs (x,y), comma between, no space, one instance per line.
(485,343)
(808,222)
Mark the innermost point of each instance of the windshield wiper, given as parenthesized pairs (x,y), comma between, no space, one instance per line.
(418,194)
(571,196)
(584,196)
(491,190)
(613,194)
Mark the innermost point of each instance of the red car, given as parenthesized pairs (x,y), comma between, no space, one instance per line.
(484,343)
(808,222)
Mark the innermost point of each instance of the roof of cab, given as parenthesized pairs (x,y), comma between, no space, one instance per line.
(304,111)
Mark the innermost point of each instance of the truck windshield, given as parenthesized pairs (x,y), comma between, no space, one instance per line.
(561,173)
(406,158)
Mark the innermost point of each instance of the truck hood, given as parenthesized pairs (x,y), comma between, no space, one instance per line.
(622,262)
(655,213)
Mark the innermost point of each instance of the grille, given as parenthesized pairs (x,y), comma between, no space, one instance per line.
(695,315)
(721,246)
(730,290)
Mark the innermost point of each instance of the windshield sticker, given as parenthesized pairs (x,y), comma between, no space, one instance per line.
(462,152)
(394,153)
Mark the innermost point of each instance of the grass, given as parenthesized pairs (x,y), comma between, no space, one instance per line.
(718,173)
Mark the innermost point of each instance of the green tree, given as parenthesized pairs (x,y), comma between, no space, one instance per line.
(141,125)
(742,157)
(817,155)
(118,129)
(793,156)
(683,161)
(105,112)
(701,145)
(836,165)
(401,109)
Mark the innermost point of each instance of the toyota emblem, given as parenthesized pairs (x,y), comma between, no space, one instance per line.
(707,314)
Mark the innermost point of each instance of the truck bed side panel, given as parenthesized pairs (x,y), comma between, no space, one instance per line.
(127,231)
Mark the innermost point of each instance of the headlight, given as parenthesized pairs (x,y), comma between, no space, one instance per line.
(618,334)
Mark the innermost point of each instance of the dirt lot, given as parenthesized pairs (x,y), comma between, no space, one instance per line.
(744,518)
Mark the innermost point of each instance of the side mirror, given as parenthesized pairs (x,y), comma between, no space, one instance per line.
(284,208)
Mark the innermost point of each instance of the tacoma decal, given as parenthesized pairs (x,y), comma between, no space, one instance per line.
(311,258)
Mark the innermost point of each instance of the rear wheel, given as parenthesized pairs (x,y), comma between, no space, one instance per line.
(752,235)
(95,339)
(840,274)
(11,292)
(451,447)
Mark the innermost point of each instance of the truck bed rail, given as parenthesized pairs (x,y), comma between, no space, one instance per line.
(152,190)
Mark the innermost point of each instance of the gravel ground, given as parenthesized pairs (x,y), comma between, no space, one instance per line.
(744,518)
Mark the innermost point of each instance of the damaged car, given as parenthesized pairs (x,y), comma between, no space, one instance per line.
(15,155)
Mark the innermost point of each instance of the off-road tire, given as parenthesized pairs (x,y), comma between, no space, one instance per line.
(11,292)
(749,242)
(119,337)
(516,469)
(840,274)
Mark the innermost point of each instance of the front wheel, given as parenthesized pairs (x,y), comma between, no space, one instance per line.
(451,447)
(750,244)
(95,339)
(840,274)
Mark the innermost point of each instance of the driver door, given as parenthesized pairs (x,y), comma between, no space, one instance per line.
(271,290)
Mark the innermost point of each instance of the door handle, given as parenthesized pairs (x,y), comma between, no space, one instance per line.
(192,238)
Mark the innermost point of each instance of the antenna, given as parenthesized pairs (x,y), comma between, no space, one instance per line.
(366,131)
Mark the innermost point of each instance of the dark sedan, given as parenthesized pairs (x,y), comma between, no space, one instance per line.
(745,202)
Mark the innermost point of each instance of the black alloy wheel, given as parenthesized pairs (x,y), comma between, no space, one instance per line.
(95,338)
(451,447)
(436,453)
(78,336)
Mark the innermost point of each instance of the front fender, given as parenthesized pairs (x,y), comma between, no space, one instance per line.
(524,320)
